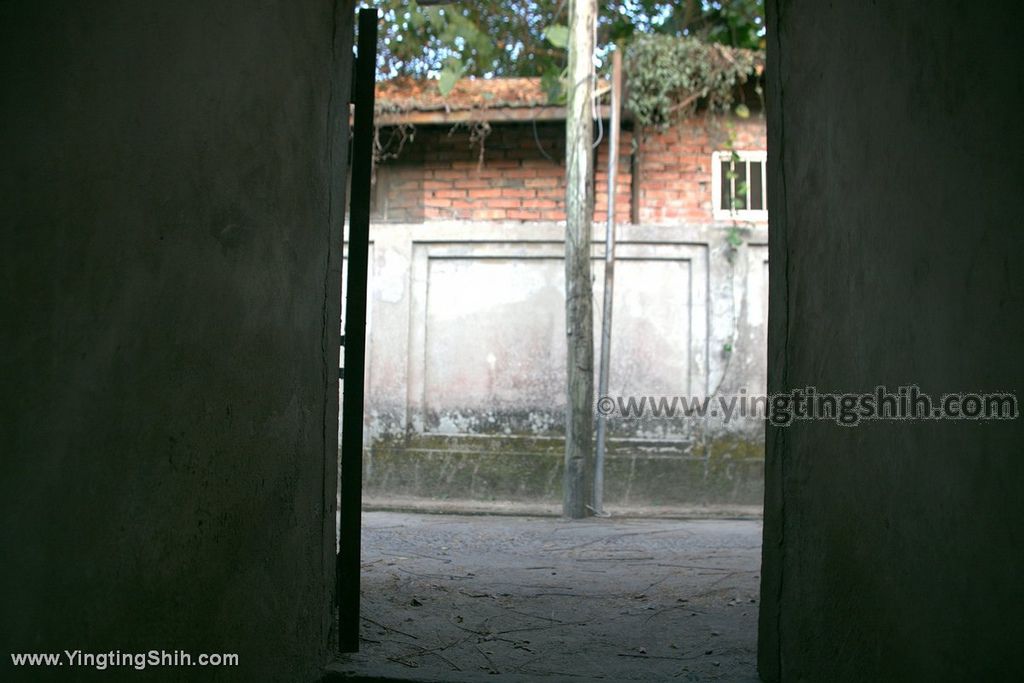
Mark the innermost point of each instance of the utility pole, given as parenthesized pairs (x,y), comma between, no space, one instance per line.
(579,216)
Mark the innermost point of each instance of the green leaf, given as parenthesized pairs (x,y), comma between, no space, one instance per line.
(742,111)
(508,39)
(551,82)
(449,77)
(557,35)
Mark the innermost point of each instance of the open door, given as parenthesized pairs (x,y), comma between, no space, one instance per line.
(354,341)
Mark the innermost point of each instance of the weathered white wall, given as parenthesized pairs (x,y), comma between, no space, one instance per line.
(467,344)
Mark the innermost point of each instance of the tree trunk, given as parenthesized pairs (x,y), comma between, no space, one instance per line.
(579,212)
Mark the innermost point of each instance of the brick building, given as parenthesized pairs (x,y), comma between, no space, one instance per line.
(494,150)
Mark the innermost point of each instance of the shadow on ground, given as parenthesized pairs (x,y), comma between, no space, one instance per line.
(466,598)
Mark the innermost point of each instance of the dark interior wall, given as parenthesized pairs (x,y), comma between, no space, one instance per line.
(894,550)
(170,285)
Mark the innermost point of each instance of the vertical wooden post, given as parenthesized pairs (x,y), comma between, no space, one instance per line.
(355,336)
(579,216)
(609,279)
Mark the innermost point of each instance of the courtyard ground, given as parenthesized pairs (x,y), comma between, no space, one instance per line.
(466,598)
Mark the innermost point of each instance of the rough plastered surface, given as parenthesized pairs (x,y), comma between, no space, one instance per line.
(170,309)
(893,551)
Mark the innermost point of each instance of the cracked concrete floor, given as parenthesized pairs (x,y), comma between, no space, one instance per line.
(465,598)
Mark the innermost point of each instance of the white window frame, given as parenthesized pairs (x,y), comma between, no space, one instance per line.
(757,215)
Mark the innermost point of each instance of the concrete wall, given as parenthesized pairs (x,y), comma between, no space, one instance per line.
(893,551)
(170,292)
(466,366)
(467,348)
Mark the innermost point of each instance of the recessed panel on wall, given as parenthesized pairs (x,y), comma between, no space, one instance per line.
(495,349)
(487,335)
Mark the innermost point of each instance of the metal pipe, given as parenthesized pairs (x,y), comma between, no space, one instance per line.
(609,281)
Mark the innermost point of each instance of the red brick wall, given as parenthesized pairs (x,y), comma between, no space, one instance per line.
(439,175)
(674,167)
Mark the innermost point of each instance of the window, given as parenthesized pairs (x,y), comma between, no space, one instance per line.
(738,186)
